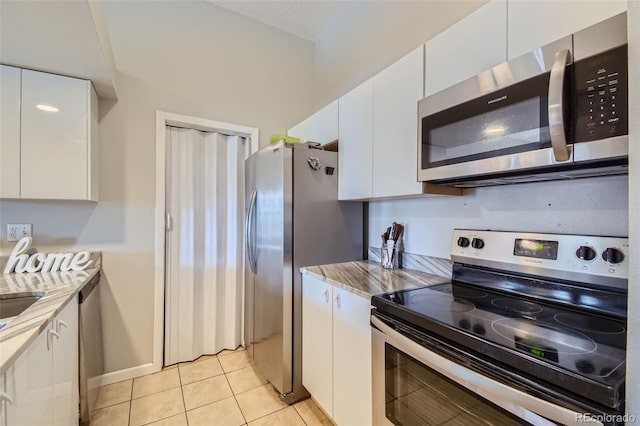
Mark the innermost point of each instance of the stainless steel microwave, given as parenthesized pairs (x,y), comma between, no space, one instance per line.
(557,112)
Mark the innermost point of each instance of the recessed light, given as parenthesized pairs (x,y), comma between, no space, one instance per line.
(494,130)
(47,108)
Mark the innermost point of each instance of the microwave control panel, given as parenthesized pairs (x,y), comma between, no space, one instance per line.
(601,96)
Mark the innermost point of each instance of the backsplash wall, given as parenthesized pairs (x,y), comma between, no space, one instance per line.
(595,206)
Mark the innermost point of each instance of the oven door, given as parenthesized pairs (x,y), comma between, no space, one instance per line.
(415,385)
(502,122)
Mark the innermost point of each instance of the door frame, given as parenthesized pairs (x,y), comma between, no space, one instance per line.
(164,119)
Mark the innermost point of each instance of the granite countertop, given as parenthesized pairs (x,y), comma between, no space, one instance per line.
(367,278)
(58,288)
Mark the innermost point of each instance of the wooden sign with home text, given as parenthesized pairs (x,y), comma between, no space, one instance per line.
(21,262)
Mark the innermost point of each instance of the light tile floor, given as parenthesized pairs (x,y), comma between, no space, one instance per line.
(224,389)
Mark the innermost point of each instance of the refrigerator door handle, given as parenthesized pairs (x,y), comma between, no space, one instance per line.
(249,235)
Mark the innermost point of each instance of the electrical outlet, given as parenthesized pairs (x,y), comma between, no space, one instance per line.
(17,231)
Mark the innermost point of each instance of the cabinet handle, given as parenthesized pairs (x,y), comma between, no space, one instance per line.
(4,397)
(60,324)
(338,301)
(326,296)
(49,334)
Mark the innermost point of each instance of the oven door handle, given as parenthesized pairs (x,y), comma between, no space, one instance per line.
(525,406)
(561,151)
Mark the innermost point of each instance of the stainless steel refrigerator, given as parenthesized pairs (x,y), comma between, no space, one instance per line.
(292,219)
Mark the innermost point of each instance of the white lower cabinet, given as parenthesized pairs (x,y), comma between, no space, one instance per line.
(336,351)
(43,382)
(65,367)
(29,384)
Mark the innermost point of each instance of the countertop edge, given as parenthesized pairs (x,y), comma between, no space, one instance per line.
(340,284)
(367,279)
(41,322)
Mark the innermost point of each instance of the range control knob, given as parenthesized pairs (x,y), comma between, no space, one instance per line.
(612,255)
(465,323)
(586,253)
(477,243)
(463,242)
(479,329)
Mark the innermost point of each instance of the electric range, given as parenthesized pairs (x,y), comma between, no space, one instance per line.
(542,313)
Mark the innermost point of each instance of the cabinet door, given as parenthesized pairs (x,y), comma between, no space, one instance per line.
(534,23)
(3,401)
(301,130)
(30,383)
(55,136)
(351,359)
(317,347)
(355,155)
(9,132)
(474,44)
(396,92)
(324,124)
(65,367)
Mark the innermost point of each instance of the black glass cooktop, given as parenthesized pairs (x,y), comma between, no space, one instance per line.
(561,345)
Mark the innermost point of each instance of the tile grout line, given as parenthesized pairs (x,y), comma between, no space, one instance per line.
(300,415)
(233,393)
(130,402)
(184,403)
(181,385)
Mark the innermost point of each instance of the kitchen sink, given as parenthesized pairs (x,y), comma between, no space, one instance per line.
(14,304)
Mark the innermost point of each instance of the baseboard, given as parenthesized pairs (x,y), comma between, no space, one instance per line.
(126,374)
(322,409)
(94,382)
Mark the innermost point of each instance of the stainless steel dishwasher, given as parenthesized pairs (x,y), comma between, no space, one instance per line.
(91,354)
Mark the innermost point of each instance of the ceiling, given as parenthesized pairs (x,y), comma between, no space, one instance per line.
(305,19)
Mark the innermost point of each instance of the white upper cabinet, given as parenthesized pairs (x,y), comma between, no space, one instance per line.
(58,138)
(301,130)
(396,92)
(324,124)
(534,23)
(321,127)
(355,152)
(474,44)
(9,132)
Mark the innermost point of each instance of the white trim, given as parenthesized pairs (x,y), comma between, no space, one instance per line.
(164,119)
(120,375)
(95,382)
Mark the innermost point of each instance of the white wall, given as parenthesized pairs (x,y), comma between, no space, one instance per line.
(367,36)
(582,206)
(186,57)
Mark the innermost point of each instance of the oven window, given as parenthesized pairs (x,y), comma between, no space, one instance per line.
(417,395)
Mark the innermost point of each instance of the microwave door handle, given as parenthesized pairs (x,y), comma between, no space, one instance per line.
(556,105)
